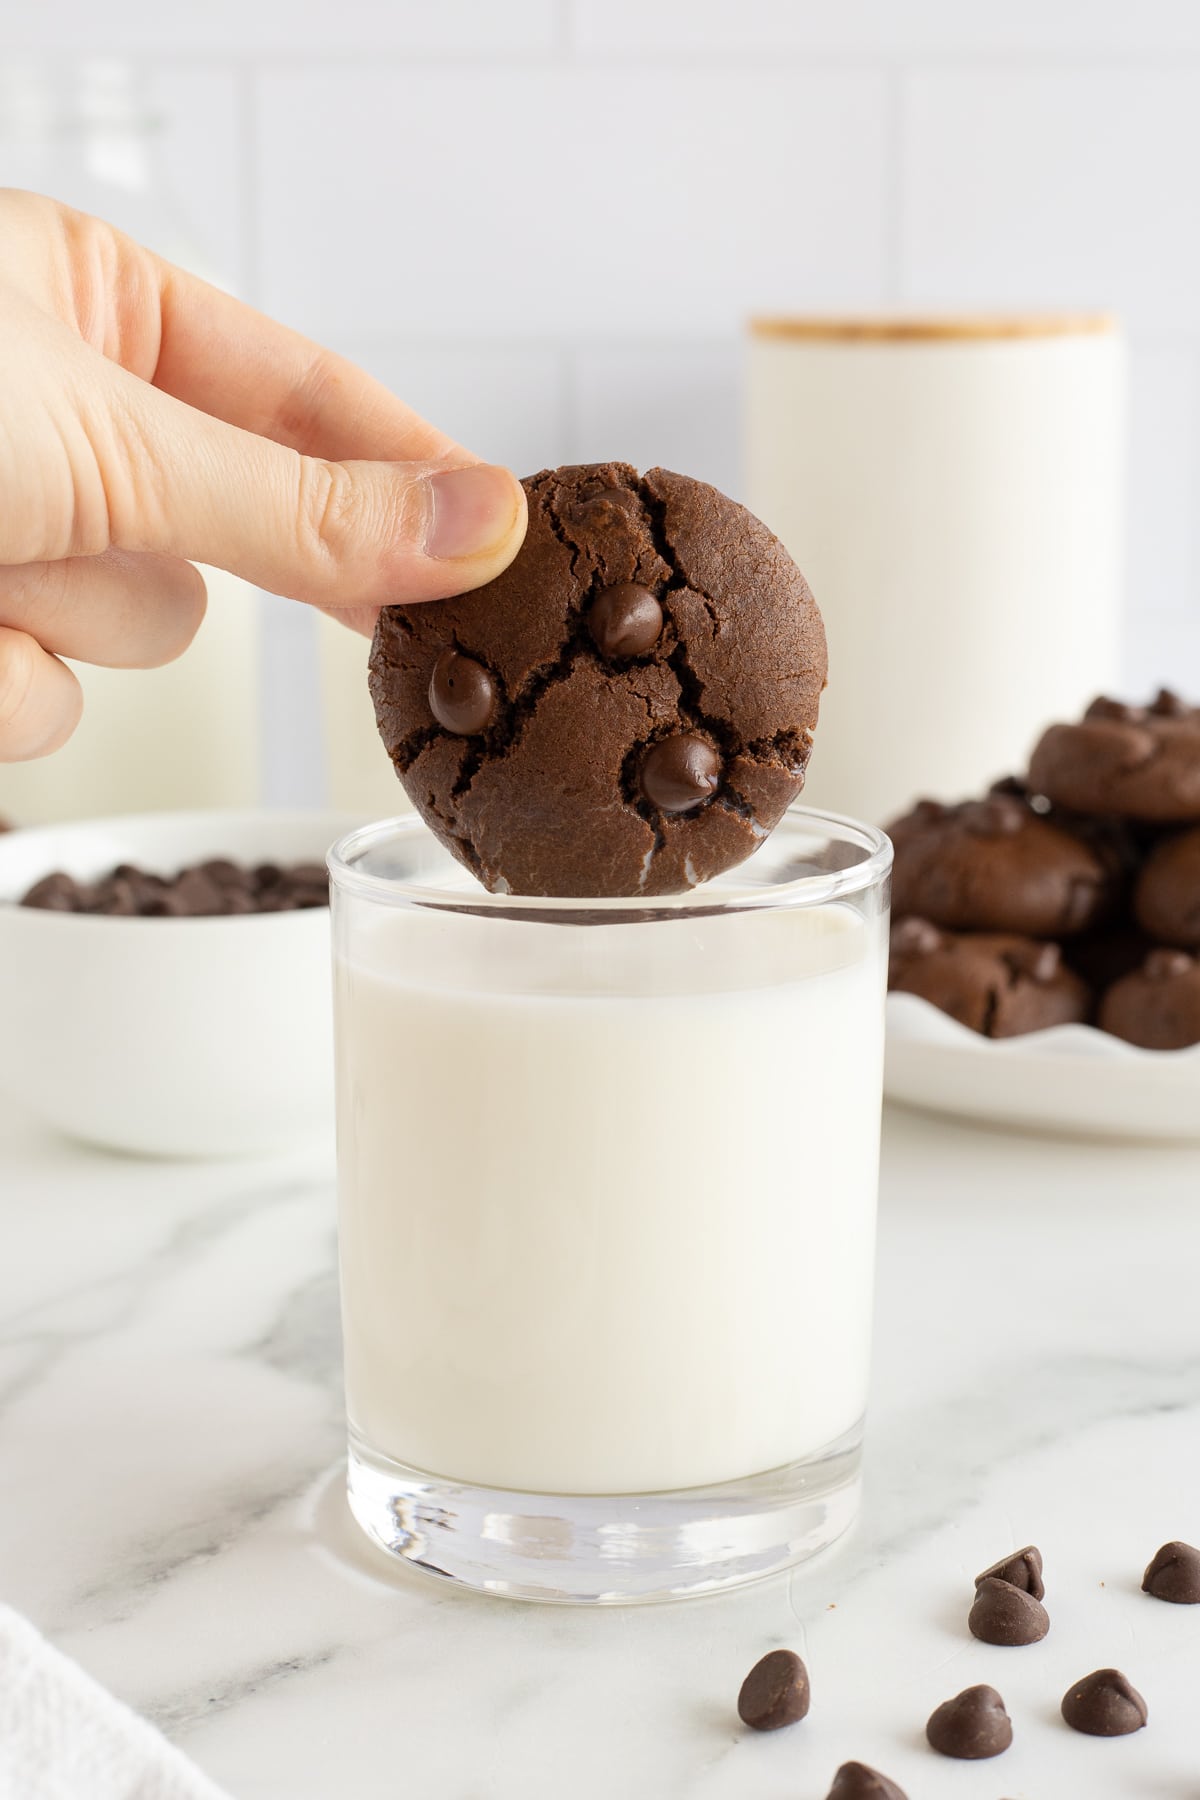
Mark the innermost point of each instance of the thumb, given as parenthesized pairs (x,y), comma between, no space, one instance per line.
(337,534)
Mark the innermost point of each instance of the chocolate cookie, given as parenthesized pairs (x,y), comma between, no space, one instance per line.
(997,984)
(1167,897)
(627,709)
(997,865)
(1138,762)
(1158,1006)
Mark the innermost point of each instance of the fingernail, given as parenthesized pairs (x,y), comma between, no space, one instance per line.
(473,510)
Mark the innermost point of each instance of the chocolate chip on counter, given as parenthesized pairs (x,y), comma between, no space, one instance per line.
(1104,1704)
(970,1727)
(1174,1574)
(854,1781)
(56,893)
(680,773)
(775,1692)
(462,695)
(625,620)
(1004,1614)
(1023,1569)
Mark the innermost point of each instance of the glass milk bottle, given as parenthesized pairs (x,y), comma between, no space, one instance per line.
(952,488)
(184,735)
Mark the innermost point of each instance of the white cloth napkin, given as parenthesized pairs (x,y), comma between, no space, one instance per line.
(64,1737)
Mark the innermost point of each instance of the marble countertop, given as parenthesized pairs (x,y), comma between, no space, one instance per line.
(171,1510)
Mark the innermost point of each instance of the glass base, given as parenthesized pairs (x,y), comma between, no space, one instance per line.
(608,1549)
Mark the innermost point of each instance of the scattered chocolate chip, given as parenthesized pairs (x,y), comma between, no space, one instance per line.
(1000,815)
(1161,965)
(972,1726)
(625,620)
(854,1781)
(775,1692)
(1023,1569)
(462,695)
(680,773)
(1174,1575)
(1004,1614)
(1104,1705)
(1168,705)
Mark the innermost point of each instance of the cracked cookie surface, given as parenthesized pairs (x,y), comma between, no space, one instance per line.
(628,709)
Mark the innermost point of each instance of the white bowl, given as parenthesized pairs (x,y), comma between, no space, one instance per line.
(1071,1078)
(164,1036)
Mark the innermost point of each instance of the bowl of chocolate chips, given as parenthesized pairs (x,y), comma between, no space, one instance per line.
(164,980)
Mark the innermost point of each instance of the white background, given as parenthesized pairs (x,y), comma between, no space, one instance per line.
(544,221)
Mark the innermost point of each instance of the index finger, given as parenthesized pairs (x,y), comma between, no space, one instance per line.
(221,356)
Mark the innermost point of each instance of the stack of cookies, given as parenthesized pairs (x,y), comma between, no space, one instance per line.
(1070,895)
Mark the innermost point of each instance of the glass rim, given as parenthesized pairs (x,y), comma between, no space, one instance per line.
(802,890)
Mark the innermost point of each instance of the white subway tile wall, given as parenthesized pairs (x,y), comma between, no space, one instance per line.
(544,221)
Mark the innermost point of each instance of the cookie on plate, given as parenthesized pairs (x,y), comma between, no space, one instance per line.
(1136,762)
(997,865)
(1158,1006)
(998,984)
(627,709)
(1167,897)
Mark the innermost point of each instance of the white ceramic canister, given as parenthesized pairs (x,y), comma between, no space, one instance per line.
(952,488)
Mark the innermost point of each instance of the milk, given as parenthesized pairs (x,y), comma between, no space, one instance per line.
(607,1192)
(156,740)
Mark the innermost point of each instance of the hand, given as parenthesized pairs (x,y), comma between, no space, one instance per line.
(147,418)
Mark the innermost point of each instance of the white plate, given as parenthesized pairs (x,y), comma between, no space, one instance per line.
(1071,1078)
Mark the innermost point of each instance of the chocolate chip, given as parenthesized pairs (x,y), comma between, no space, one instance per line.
(1023,1569)
(680,773)
(1004,1614)
(223,872)
(55,893)
(1161,965)
(915,937)
(854,1781)
(972,1726)
(1174,1575)
(1104,1705)
(1104,708)
(1168,705)
(775,1692)
(462,695)
(625,620)
(998,816)
(116,897)
(218,887)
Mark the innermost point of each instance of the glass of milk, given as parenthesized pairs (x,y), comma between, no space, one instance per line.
(608,1179)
